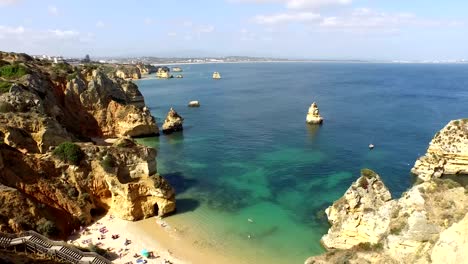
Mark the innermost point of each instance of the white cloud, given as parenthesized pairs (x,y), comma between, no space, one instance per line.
(298,4)
(63,33)
(187,23)
(148,21)
(53,10)
(359,19)
(314,4)
(8,2)
(302,17)
(100,24)
(205,29)
(4,30)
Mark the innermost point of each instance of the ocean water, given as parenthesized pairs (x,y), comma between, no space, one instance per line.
(247,152)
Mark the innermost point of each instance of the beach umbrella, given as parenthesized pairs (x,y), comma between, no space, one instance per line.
(144,253)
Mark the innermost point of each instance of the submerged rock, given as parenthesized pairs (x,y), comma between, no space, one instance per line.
(313,115)
(173,122)
(447,153)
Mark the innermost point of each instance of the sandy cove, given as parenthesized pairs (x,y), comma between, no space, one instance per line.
(167,243)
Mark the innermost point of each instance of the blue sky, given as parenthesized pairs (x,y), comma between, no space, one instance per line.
(314,29)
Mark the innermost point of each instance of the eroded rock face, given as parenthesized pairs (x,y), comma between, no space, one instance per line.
(367,227)
(56,103)
(456,235)
(173,122)
(447,153)
(128,72)
(355,217)
(313,115)
(121,179)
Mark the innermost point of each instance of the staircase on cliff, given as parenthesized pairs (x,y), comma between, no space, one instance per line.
(39,244)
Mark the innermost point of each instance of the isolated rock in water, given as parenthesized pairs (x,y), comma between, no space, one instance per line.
(216,75)
(173,122)
(355,217)
(447,153)
(313,116)
(194,104)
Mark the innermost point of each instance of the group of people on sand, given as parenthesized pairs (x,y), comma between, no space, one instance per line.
(122,252)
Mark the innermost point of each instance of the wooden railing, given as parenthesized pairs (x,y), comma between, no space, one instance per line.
(39,243)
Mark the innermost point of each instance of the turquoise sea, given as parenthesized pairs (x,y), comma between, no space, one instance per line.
(247,152)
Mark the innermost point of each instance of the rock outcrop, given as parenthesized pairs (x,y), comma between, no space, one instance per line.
(173,122)
(163,73)
(216,75)
(194,104)
(366,223)
(416,228)
(128,72)
(313,115)
(146,68)
(447,153)
(176,69)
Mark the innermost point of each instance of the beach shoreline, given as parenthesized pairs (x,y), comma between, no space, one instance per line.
(167,243)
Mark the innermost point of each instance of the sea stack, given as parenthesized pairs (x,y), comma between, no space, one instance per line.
(216,75)
(194,104)
(173,122)
(313,116)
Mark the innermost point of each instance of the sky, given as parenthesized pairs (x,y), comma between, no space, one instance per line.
(301,29)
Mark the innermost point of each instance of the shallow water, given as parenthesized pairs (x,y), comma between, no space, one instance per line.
(247,152)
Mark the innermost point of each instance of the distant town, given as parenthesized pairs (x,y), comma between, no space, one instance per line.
(230,59)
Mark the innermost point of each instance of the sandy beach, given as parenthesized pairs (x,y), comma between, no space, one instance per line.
(114,235)
(168,244)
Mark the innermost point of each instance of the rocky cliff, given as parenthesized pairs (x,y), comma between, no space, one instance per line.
(447,153)
(128,72)
(52,185)
(428,224)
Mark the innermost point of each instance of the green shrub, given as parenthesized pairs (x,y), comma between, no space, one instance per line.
(97,249)
(72,76)
(72,192)
(84,199)
(4,87)
(363,182)
(69,152)
(366,246)
(5,107)
(46,227)
(368,173)
(13,71)
(108,163)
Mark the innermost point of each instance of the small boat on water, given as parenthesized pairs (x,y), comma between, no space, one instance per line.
(371,146)
(216,75)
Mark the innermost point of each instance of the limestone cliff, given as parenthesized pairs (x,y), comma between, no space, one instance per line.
(447,153)
(146,68)
(360,200)
(46,107)
(368,227)
(85,101)
(128,72)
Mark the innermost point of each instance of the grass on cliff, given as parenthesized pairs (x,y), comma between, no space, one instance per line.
(13,71)
(4,87)
(69,152)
